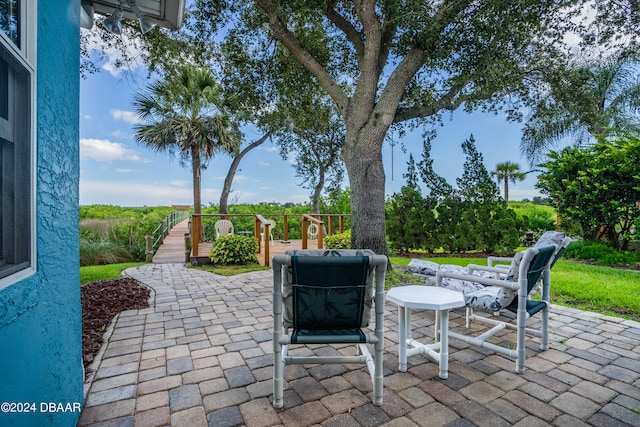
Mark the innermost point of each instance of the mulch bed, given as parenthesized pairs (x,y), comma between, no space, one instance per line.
(101,302)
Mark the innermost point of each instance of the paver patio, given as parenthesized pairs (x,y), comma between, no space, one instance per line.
(202,356)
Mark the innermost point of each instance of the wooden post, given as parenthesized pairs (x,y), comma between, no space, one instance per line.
(341,224)
(196,232)
(329,225)
(149,248)
(320,233)
(256,232)
(187,249)
(285,224)
(267,261)
(305,225)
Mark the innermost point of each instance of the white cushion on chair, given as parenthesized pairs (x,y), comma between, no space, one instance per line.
(476,295)
(489,298)
(421,266)
(547,239)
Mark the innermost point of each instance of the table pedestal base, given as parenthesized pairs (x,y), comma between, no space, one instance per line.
(437,351)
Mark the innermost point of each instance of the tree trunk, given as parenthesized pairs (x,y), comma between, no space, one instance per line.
(195,166)
(506,189)
(366,179)
(317,191)
(226,188)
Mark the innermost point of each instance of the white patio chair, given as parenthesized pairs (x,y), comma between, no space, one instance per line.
(325,297)
(223,227)
(513,292)
(272,225)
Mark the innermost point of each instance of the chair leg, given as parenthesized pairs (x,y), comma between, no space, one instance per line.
(278,377)
(521,326)
(377,374)
(544,338)
(278,329)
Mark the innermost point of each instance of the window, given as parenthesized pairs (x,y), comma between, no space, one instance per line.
(10,19)
(17,136)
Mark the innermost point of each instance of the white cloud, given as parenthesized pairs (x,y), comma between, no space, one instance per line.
(271,149)
(133,194)
(123,170)
(293,158)
(178,183)
(102,150)
(240,178)
(157,194)
(261,163)
(114,63)
(126,116)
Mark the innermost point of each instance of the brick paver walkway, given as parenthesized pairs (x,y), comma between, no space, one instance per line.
(202,356)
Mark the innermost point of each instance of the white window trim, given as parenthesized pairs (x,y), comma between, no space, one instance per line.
(26,54)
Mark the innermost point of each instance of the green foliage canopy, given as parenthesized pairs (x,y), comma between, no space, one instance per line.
(597,187)
(583,101)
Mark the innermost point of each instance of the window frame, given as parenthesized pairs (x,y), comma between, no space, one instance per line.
(25,55)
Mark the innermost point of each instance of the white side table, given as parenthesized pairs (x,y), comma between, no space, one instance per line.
(427,298)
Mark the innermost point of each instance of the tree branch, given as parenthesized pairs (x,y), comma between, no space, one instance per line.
(345,26)
(226,188)
(291,42)
(446,102)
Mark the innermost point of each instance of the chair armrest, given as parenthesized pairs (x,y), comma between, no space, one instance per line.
(477,279)
(492,259)
(498,270)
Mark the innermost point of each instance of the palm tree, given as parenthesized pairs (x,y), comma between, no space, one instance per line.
(184,113)
(583,102)
(505,172)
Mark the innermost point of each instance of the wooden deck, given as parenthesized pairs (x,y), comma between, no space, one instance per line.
(277,247)
(172,249)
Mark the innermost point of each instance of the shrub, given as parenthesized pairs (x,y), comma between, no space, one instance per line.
(600,253)
(410,220)
(234,249)
(338,241)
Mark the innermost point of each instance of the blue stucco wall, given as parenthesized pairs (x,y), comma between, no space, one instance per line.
(40,317)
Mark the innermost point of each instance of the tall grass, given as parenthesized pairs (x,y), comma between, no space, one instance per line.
(113,234)
(98,252)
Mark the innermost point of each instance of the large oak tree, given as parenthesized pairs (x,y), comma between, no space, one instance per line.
(386,62)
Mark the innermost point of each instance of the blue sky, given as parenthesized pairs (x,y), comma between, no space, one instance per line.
(116,170)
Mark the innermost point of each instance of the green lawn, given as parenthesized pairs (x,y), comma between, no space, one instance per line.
(604,290)
(95,273)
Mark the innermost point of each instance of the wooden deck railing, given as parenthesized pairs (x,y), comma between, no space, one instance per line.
(261,228)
